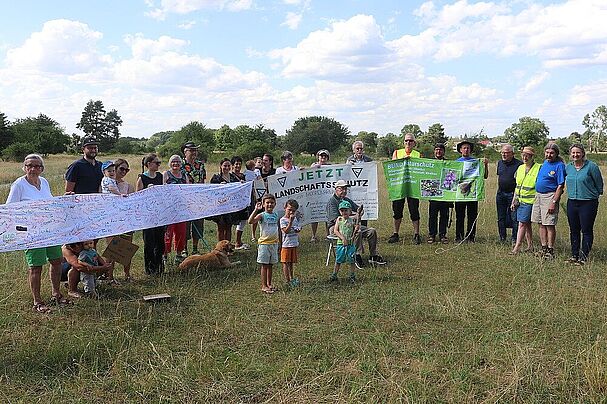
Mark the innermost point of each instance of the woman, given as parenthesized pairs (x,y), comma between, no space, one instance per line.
(267,167)
(225,221)
(584,185)
(153,239)
(242,215)
(176,231)
(323,157)
(524,196)
(30,187)
(125,188)
(287,163)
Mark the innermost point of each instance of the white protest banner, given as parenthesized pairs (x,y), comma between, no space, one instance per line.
(313,187)
(72,218)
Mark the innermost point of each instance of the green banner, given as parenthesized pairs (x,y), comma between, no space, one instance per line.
(437,180)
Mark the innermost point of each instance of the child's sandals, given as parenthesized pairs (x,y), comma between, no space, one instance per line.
(41,308)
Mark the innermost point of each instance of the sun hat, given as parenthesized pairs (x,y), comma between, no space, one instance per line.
(341,184)
(463,142)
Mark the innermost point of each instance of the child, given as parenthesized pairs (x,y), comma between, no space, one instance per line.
(108,183)
(89,256)
(345,249)
(251,173)
(290,240)
(267,251)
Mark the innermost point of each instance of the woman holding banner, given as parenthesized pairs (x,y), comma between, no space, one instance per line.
(31,187)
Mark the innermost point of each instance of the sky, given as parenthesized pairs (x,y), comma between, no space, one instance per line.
(371,65)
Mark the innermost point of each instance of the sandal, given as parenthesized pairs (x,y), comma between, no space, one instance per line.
(267,291)
(41,308)
(74,295)
(60,301)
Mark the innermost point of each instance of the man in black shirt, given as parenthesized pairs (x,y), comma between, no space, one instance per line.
(84,176)
(506,168)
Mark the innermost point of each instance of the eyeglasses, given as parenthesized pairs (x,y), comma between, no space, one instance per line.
(36,166)
(124,170)
(409,140)
(358,148)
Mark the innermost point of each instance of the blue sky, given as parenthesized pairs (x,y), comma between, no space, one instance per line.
(372,65)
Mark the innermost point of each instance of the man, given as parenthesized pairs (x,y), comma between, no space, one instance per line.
(412,203)
(465,149)
(359,156)
(196,173)
(506,183)
(548,191)
(84,176)
(369,233)
(438,209)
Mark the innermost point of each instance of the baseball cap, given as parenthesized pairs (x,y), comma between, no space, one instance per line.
(341,183)
(88,141)
(323,151)
(106,165)
(345,205)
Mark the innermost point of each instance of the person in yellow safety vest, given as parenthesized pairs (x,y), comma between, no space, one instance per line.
(412,203)
(524,196)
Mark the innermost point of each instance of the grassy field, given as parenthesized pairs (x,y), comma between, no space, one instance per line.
(462,324)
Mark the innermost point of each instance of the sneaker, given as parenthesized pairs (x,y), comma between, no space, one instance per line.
(549,254)
(580,263)
(572,260)
(542,252)
(294,283)
(313,239)
(377,260)
(417,239)
(444,240)
(431,239)
(333,277)
(393,238)
(358,261)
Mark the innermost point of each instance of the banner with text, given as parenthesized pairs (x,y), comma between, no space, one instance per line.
(313,187)
(72,218)
(437,180)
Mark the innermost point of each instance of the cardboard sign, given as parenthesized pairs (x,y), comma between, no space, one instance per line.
(120,250)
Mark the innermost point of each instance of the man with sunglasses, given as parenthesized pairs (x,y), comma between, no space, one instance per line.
(398,206)
(84,176)
(359,156)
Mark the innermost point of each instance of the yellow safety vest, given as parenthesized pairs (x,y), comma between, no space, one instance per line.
(401,154)
(525,183)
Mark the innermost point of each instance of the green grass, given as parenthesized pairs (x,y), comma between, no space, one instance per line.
(468,323)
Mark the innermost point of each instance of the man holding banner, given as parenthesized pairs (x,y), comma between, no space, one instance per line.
(438,209)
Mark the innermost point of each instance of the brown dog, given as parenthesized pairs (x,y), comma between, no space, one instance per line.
(216,259)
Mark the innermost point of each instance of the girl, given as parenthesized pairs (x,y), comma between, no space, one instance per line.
(176,231)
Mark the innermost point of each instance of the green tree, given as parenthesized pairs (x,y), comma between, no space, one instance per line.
(596,124)
(43,133)
(387,144)
(104,126)
(158,139)
(195,132)
(527,132)
(369,139)
(227,139)
(6,134)
(412,128)
(435,134)
(312,133)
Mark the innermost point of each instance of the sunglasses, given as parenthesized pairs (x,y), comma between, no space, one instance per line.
(36,166)
(409,140)
(124,170)
(358,148)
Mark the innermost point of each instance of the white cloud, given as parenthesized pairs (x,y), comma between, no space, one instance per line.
(292,20)
(535,82)
(189,6)
(186,25)
(62,46)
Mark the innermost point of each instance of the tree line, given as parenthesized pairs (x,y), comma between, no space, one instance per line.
(42,134)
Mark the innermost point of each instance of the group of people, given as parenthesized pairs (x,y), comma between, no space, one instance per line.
(528,192)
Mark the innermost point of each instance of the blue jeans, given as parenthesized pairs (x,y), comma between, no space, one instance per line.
(505,217)
(581,216)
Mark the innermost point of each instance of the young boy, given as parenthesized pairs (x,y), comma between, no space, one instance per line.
(345,249)
(89,256)
(267,250)
(108,183)
(290,241)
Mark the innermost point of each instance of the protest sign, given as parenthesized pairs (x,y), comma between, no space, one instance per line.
(436,180)
(313,187)
(121,250)
(72,218)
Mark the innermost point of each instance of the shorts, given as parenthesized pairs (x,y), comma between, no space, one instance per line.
(241,225)
(36,257)
(344,254)
(523,212)
(89,281)
(288,254)
(399,205)
(194,229)
(267,254)
(540,214)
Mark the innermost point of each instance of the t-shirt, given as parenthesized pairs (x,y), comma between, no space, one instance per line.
(346,228)
(282,170)
(268,228)
(86,176)
(250,175)
(550,176)
(291,238)
(89,256)
(21,190)
(505,174)
(332,208)
(108,185)
(466,159)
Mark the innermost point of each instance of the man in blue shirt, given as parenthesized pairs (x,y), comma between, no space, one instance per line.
(84,176)
(548,191)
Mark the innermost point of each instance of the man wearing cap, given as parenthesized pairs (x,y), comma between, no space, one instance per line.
(438,209)
(398,206)
(548,190)
(84,176)
(358,156)
(506,183)
(469,208)
(369,233)
(196,173)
